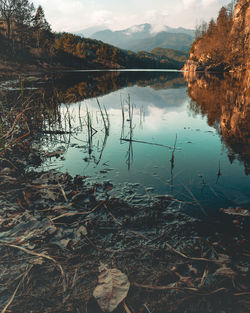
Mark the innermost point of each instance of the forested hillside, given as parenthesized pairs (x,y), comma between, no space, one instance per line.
(223,44)
(27,42)
(178,55)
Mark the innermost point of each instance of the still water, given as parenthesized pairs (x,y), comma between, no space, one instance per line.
(155,133)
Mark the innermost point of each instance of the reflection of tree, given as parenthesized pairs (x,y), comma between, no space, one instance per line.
(225,102)
(78,86)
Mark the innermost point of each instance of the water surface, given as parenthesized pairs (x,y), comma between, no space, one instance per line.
(154,133)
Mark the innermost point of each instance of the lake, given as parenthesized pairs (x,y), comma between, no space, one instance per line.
(151,133)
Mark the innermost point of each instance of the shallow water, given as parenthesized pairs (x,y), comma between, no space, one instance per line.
(165,145)
(159,134)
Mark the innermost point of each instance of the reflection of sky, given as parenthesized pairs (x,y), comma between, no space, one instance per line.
(160,98)
(158,117)
(169,99)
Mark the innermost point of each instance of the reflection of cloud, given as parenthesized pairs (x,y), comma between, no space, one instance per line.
(169,98)
(155,117)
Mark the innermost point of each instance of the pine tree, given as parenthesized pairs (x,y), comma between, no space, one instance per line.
(40,25)
(14,14)
(23,20)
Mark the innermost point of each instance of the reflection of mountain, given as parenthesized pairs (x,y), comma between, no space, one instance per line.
(225,101)
(167,99)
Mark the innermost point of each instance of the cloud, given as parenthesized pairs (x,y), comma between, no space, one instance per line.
(72,15)
(101,17)
(158,19)
(190,4)
(194,4)
(207,3)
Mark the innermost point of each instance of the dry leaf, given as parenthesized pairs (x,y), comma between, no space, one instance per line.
(82,230)
(225,271)
(54,153)
(222,259)
(193,269)
(185,280)
(112,289)
(236,212)
(49,194)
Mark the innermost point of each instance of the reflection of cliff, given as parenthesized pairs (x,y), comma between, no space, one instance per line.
(225,101)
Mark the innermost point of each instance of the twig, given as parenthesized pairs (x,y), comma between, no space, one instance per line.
(204,276)
(16,290)
(15,122)
(195,290)
(42,255)
(78,213)
(246,293)
(185,256)
(6,160)
(192,195)
(126,307)
(164,287)
(13,141)
(63,192)
(144,142)
(146,307)
(147,193)
(114,218)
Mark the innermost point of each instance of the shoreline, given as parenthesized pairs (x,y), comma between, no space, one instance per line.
(68,221)
(57,229)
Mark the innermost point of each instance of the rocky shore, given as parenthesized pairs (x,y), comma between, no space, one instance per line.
(56,231)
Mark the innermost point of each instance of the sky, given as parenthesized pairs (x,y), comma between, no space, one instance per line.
(75,15)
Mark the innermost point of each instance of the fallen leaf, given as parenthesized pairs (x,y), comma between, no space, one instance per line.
(54,154)
(193,269)
(236,212)
(222,259)
(185,280)
(49,194)
(112,289)
(27,196)
(225,271)
(82,230)
(37,261)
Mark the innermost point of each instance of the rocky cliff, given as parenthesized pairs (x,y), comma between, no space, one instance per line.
(225,44)
(240,32)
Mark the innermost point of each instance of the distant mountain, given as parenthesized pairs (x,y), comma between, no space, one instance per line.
(88,32)
(143,37)
(176,41)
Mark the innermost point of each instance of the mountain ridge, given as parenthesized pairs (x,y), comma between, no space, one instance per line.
(146,37)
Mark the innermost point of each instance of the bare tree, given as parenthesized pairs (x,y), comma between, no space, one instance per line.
(15,12)
(7,11)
